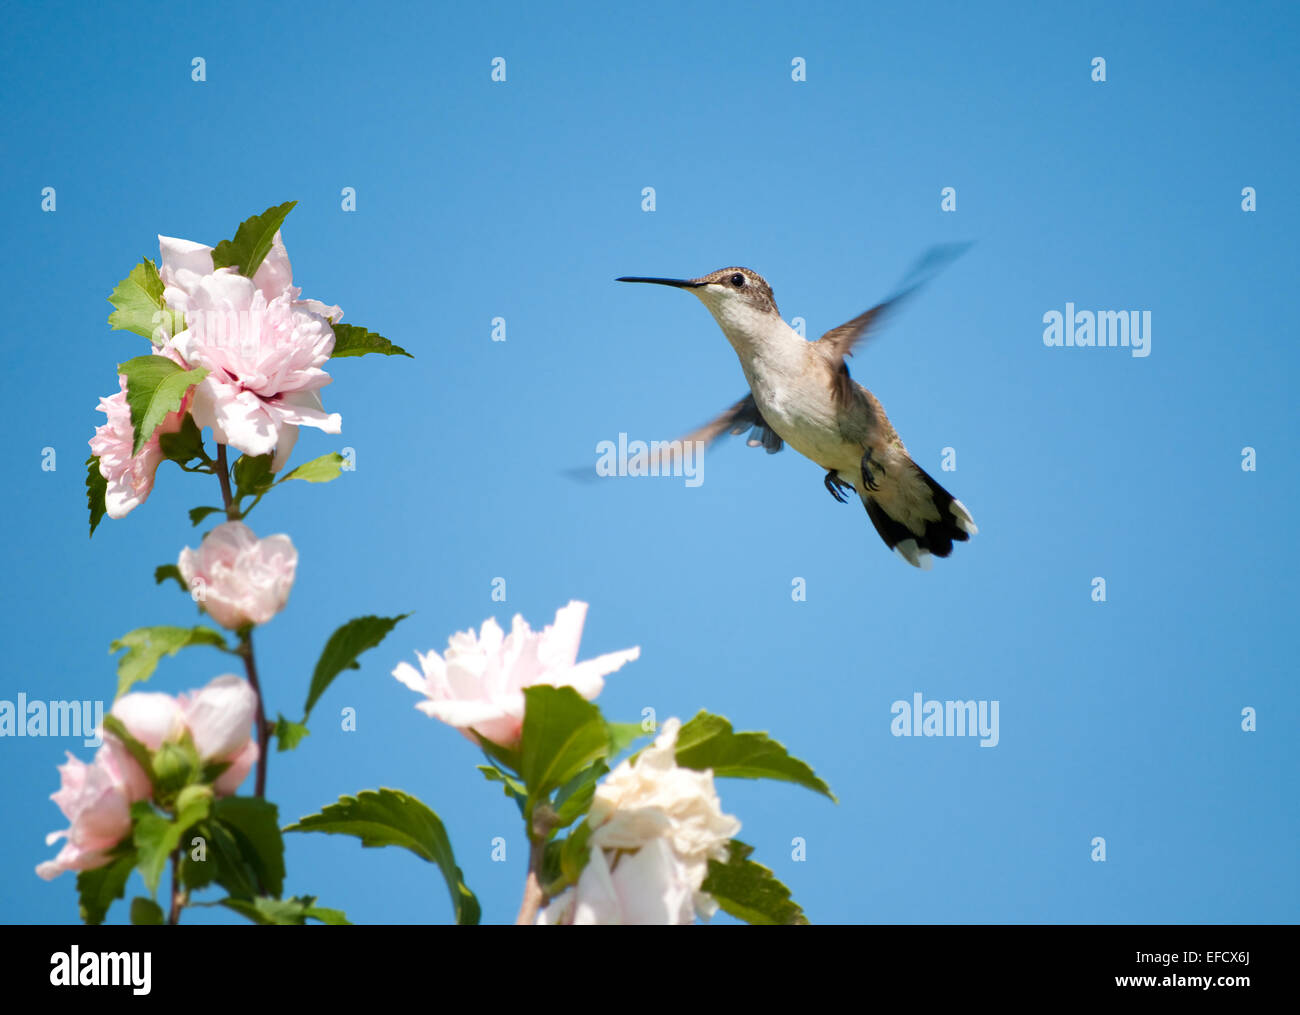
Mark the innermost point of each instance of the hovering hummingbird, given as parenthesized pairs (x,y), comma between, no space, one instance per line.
(800,394)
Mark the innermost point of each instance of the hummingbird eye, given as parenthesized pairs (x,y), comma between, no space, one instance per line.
(738,280)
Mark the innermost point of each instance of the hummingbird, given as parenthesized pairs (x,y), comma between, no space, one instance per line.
(801,394)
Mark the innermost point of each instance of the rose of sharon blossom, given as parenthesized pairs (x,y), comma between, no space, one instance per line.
(262,345)
(242,579)
(478,687)
(130,477)
(672,818)
(96,799)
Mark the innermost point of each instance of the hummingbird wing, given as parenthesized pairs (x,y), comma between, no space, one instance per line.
(840,342)
(662,456)
(742,416)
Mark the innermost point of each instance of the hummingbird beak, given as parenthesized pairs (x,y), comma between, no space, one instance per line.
(677,283)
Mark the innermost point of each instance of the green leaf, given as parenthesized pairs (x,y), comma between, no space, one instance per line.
(285,912)
(98,888)
(155,386)
(574,798)
(96,491)
(138,303)
(197,514)
(157,836)
(749,891)
(574,853)
(351,340)
(288,735)
(253,475)
(563,733)
(146,912)
(198,873)
(514,789)
(147,645)
(708,741)
(318,470)
(164,571)
(252,241)
(186,444)
(341,651)
(254,825)
(623,734)
(389,817)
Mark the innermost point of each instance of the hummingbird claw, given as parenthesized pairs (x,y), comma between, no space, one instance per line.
(834,484)
(867,478)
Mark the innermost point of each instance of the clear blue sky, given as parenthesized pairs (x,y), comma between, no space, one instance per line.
(522,200)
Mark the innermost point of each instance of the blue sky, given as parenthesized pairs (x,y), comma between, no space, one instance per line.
(523,200)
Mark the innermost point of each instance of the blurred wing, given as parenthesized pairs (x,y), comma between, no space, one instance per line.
(840,342)
(662,456)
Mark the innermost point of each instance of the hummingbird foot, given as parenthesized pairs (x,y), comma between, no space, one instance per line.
(867,479)
(834,484)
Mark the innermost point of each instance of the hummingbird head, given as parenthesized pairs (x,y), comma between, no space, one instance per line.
(734,296)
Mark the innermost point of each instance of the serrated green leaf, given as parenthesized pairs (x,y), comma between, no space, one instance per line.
(197,514)
(389,817)
(318,470)
(514,789)
(573,799)
(253,475)
(329,917)
(96,492)
(97,889)
(147,645)
(165,571)
(138,303)
(351,340)
(574,853)
(749,891)
(146,912)
(252,241)
(156,836)
(288,735)
(155,386)
(285,912)
(185,445)
(254,824)
(199,873)
(623,734)
(708,741)
(341,651)
(562,734)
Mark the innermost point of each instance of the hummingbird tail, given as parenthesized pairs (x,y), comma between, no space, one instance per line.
(916,517)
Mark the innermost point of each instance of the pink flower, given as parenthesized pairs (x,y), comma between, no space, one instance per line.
(96,799)
(238,578)
(478,687)
(151,718)
(130,477)
(219,717)
(262,345)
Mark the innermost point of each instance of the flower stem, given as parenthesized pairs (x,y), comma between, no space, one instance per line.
(533,895)
(223,477)
(245,649)
(178,893)
(263,727)
(542,820)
